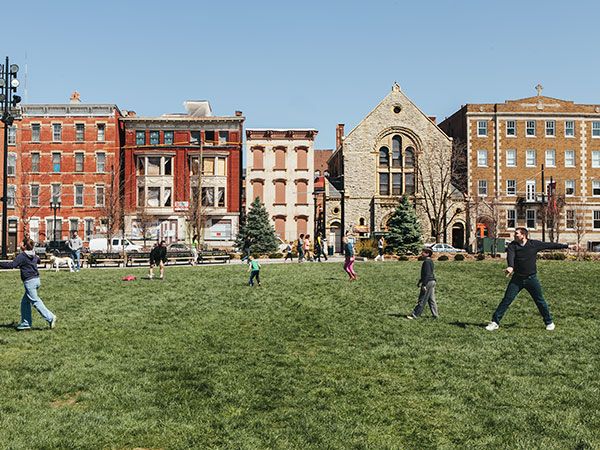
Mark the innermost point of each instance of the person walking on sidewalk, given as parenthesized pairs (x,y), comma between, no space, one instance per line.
(521,257)
(75,245)
(427,285)
(254,269)
(195,250)
(27,262)
(158,257)
(300,248)
(380,247)
(288,252)
(349,258)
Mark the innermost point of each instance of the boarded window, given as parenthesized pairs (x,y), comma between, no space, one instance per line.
(279,192)
(258,158)
(257,187)
(302,188)
(302,223)
(280,227)
(302,159)
(279,159)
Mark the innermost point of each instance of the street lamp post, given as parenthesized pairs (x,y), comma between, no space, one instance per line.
(55,206)
(8,86)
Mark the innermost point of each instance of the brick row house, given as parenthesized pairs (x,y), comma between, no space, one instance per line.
(66,154)
(532,162)
(182,173)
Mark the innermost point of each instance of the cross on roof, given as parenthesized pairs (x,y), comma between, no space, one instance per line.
(539,88)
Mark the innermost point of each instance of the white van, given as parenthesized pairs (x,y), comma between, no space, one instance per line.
(101,245)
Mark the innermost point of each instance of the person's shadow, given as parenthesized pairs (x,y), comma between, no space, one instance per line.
(8,325)
(468,324)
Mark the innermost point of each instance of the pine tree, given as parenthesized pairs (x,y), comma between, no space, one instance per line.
(404,230)
(257,231)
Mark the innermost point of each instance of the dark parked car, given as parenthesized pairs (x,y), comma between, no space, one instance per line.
(178,247)
(58,248)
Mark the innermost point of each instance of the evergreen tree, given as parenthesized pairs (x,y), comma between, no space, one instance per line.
(404,230)
(257,232)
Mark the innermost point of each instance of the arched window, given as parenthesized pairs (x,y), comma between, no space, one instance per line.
(396,151)
(384,157)
(409,157)
(361,221)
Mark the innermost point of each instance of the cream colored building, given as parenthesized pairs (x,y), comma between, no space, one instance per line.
(280,172)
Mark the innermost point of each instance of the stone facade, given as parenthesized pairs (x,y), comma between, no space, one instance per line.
(373,181)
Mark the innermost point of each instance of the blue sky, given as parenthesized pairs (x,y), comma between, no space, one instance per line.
(304,64)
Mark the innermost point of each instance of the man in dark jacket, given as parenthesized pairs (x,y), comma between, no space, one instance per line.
(158,257)
(427,284)
(27,262)
(521,258)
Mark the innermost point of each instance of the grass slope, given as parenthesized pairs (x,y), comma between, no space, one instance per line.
(308,360)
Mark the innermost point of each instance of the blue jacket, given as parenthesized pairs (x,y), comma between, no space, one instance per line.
(26,261)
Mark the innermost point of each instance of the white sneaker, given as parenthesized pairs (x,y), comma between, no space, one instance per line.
(492,326)
(550,326)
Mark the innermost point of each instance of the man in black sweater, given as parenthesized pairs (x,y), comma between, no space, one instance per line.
(158,257)
(521,258)
(427,284)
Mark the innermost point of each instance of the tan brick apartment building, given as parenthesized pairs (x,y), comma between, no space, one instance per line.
(512,151)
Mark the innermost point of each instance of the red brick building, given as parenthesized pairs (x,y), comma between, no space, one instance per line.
(66,153)
(183,172)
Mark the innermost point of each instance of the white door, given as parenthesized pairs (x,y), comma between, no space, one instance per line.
(530,190)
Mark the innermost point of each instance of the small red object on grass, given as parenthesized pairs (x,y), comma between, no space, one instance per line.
(129,278)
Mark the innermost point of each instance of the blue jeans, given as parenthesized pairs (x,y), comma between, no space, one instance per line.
(31,297)
(76,255)
(254,274)
(532,285)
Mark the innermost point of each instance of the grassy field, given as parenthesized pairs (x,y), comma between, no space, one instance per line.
(308,360)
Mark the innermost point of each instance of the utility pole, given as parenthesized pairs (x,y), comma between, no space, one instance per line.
(543,207)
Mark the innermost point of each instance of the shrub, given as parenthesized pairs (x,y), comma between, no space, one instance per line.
(275,255)
(366,248)
(459,257)
(403,258)
(480,257)
(443,258)
(368,253)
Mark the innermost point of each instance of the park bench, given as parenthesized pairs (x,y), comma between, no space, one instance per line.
(179,257)
(138,258)
(102,259)
(213,256)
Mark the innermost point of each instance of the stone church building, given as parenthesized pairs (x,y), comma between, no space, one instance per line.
(395,150)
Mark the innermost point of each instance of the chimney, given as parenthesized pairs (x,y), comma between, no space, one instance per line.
(433,118)
(131,114)
(339,135)
(238,114)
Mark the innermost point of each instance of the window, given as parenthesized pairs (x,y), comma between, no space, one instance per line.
(223,137)
(78,195)
(221,197)
(12,164)
(482,129)
(530,130)
(53,229)
(88,229)
(596,188)
(384,183)
(208,196)
(208,166)
(73,226)
(531,219)
(530,190)
(194,138)
(302,158)
(596,222)
(100,162)
(569,158)
(209,137)
(12,135)
(302,188)
(34,197)
(482,158)
(35,132)
(596,129)
(511,218)
(569,187)
(279,158)
(511,158)
(409,157)
(482,188)
(511,187)
(154,137)
(56,132)
(11,194)
(257,186)
(596,159)
(56,162)
(152,165)
(79,162)
(257,158)
(168,138)
(511,128)
(279,192)
(396,184)
(530,161)
(101,132)
(35,162)
(34,229)
(550,128)
(384,157)
(80,132)
(396,151)
(570,219)
(55,193)
(550,158)
(569,128)
(100,195)
(140,137)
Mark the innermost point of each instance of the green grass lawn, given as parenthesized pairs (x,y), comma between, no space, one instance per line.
(308,360)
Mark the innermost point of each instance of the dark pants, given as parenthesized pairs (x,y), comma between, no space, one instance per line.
(532,285)
(289,255)
(300,254)
(254,274)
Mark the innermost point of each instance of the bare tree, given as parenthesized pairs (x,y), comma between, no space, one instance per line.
(551,213)
(488,212)
(579,227)
(438,172)
(145,222)
(111,210)
(196,213)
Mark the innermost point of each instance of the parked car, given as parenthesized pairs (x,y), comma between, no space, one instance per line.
(117,243)
(40,249)
(178,247)
(445,248)
(58,247)
(596,248)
